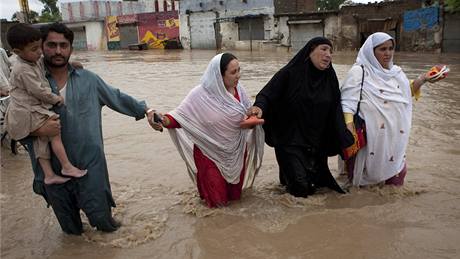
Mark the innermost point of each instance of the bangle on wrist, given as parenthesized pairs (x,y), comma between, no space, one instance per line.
(149,110)
(348,117)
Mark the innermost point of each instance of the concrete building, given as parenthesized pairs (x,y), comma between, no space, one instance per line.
(358,21)
(451,32)
(230,24)
(156,30)
(88,35)
(261,24)
(98,9)
(296,29)
(87,19)
(414,25)
(294,6)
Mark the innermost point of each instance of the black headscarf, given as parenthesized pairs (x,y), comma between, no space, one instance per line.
(304,53)
(301,105)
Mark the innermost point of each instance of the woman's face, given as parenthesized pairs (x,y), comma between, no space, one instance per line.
(232,74)
(384,53)
(321,56)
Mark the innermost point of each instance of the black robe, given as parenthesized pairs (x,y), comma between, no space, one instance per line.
(302,111)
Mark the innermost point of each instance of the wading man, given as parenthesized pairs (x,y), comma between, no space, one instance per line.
(80,124)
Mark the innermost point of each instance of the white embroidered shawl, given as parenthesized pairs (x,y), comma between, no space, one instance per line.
(386,107)
(209,117)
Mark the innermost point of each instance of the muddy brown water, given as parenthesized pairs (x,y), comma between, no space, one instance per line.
(163,218)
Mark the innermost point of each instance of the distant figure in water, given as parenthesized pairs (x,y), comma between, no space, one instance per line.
(386,107)
(303,119)
(221,157)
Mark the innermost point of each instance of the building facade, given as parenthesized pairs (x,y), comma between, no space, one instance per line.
(258,24)
(231,24)
(101,25)
(99,9)
(158,30)
(89,35)
(414,25)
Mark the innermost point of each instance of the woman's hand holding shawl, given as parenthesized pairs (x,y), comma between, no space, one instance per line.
(254,111)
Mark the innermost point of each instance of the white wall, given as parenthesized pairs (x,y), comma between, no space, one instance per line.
(229,32)
(184,31)
(95,34)
(85,10)
(202,30)
(331,29)
(282,31)
(224,9)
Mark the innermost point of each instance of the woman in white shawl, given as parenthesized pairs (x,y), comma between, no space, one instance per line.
(221,157)
(386,106)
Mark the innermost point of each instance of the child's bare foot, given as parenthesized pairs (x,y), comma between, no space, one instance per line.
(73,171)
(55,179)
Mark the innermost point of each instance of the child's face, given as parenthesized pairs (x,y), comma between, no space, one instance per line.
(31,52)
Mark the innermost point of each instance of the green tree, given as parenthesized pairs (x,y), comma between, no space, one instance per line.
(50,12)
(33,17)
(452,5)
(325,5)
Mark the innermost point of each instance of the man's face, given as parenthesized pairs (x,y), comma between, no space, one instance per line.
(56,50)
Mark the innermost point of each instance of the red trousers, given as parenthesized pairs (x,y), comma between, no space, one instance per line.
(212,186)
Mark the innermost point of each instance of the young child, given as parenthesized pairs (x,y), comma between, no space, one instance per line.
(31,101)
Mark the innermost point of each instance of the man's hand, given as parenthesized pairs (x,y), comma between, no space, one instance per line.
(254,111)
(76,64)
(149,113)
(52,127)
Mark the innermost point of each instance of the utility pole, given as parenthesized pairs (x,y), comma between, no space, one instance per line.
(24,5)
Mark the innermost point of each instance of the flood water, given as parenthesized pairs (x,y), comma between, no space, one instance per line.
(163,217)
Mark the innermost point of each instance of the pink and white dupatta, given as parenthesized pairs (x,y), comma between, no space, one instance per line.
(209,117)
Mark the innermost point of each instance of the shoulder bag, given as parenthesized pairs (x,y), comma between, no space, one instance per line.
(360,129)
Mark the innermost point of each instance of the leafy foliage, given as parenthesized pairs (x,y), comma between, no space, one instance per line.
(50,12)
(33,16)
(452,5)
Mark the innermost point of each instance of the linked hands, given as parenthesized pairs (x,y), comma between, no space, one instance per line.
(150,113)
(156,120)
(254,111)
(159,121)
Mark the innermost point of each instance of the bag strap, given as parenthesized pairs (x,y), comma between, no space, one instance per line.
(360,91)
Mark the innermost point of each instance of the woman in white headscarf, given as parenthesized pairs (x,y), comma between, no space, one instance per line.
(221,157)
(386,107)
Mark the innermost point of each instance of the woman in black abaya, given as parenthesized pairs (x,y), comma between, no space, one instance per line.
(303,119)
